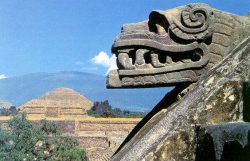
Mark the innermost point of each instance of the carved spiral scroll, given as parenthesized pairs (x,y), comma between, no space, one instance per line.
(195,19)
(195,24)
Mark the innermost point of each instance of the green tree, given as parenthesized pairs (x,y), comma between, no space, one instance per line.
(26,141)
(104,109)
(101,109)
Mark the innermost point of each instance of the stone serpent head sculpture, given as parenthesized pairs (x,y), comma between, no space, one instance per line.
(175,47)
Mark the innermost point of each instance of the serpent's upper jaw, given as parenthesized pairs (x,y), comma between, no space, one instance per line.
(171,47)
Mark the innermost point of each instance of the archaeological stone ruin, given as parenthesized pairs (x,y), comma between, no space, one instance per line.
(205,54)
(61,102)
(65,107)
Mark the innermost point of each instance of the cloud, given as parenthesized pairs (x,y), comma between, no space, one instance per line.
(2,76)
(112,65)
(104,60)
(101,59)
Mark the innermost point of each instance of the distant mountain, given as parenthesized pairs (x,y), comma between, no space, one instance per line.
(21,89)
(5,104)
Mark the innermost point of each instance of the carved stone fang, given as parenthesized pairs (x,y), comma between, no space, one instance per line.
(124,61)
(152,61)
(176,67)
(169,60)
(155,61)
(140,56)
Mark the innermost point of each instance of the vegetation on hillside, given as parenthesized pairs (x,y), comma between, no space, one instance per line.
(104,109)
(25,141)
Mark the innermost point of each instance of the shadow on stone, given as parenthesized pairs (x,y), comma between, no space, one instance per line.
(231,151)
(246,101)
(245,153)
(205,147)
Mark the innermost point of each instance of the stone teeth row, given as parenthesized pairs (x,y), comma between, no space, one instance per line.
(126,62)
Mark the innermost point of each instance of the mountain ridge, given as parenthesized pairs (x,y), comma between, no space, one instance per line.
(21,89)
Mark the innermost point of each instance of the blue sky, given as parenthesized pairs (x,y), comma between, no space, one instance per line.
(69,35)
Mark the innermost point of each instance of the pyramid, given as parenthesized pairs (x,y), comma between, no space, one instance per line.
(60,102)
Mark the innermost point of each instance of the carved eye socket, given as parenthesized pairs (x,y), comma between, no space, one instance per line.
(158,23)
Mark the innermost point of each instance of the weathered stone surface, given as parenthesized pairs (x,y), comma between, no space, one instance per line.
(215,94)
(61,102)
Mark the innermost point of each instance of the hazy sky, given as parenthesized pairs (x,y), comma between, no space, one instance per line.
(74,35)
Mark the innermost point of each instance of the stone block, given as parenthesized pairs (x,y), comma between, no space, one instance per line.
(224,142)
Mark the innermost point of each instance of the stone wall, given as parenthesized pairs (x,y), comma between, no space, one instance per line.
(99,136)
